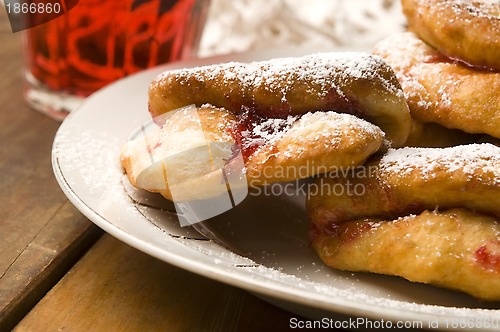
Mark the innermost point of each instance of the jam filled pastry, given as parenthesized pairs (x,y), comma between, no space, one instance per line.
(464,30)
(442,91)
(272,150)
(354,83)
(429,215)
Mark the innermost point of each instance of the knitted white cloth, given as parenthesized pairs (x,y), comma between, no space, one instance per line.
(242,25)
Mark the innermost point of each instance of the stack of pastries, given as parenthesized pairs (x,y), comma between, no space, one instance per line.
(289,118)
(414,127)
(429,214)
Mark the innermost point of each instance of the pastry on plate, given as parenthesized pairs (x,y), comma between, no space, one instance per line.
(429,215)
(443,91)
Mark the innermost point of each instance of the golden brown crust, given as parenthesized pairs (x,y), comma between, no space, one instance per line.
(354,83)
(347,227)
(461,29)
(456,249)
(314,144)
(410,180)
(447,93)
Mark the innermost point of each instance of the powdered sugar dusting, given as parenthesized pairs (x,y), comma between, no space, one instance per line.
(334,125)
(485,9)
(98,174)
(339,120)
(271,129)
(414,90)
(320,72)
(407,54)
(326,128)
(356,295)
(467,159)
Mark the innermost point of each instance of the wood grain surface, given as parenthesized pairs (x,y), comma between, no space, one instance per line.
(117,288)
(41,233)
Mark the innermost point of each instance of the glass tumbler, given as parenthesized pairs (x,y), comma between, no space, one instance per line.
(99,41)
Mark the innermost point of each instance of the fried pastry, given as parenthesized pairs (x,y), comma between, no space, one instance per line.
(146,157)
(441,91)
(273,150)
(464,30)
(354,83)
(455,249)
(392,195)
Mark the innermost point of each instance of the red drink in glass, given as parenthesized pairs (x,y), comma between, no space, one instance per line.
(100,41)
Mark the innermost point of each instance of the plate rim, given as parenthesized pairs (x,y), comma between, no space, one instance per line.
(264,287)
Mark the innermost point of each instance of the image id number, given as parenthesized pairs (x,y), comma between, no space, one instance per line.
(33,8)
(473,323)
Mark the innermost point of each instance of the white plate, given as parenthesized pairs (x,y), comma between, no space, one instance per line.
(269,253)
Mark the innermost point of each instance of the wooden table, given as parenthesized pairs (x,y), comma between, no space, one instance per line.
(51,275)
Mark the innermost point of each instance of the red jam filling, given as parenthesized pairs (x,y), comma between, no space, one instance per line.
(488,256)
(441,58)
(248,138)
